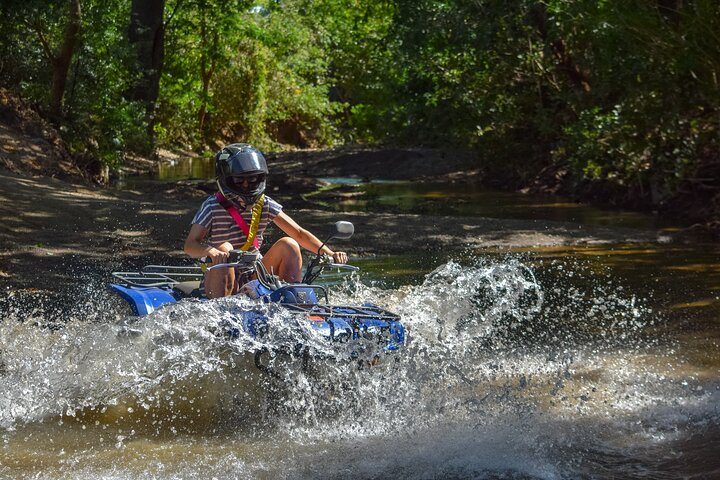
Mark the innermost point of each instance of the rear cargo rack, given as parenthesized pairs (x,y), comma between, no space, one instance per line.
(159,276)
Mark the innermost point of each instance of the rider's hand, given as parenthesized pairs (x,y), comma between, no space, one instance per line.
(217,256)
(340,257)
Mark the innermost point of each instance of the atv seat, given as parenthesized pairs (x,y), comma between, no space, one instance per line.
(190,289)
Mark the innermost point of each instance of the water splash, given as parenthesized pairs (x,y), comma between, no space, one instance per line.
(502,356)
(99,358)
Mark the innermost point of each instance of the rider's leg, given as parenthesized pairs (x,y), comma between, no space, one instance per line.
(220,282)
(284,260)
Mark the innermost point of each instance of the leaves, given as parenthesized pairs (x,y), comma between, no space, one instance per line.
(622,91)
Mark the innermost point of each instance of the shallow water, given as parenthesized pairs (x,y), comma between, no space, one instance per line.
(599,361)
(436,198)
(544,364)
(432,198)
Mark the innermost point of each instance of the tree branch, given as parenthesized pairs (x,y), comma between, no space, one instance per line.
(35,27)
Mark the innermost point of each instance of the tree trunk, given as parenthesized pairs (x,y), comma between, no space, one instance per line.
(566,63)
(147,34)
(62,59)
(202,112)
(208,62)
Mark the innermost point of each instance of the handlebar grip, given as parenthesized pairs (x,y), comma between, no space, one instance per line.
(248,258)
(326,260)
(236,257)
(344,266)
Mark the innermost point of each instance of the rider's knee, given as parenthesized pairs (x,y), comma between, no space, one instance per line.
(225,247)
(289,245)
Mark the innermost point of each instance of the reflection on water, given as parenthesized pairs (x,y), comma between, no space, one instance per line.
(435,198)
(473,200)
(190,168)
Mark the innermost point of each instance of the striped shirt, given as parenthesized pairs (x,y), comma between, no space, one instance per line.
(222,227)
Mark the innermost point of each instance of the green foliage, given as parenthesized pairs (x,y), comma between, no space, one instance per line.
(24,64)
(96,102)
(621,91)
(652,110)
(268,83)
(97,120)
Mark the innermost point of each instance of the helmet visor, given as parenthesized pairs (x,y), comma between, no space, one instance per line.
(244,162)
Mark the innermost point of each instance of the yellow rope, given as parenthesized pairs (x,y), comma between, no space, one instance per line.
(254,223)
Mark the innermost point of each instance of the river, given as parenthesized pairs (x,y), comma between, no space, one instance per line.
(556,362)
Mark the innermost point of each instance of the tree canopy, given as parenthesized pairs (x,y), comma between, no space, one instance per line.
(623,92)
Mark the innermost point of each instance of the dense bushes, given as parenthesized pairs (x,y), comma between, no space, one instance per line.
(617,93)
(623,93)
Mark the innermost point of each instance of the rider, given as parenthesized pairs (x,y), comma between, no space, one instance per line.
(241,173)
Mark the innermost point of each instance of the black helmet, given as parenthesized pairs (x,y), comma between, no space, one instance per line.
(241,160)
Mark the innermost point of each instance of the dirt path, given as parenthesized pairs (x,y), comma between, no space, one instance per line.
(53,233)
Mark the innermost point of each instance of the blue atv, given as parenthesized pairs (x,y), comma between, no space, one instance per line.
(156,286)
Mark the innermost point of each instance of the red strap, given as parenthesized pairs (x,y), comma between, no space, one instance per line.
(236,216)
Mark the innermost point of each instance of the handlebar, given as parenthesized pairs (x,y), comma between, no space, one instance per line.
(236,258)
(251,260)
(343,266)
(321,263)
(326,261)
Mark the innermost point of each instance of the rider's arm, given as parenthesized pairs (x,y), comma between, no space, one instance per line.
(306,239)
(197,249)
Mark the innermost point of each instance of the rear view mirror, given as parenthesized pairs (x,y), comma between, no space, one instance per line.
(343,230)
